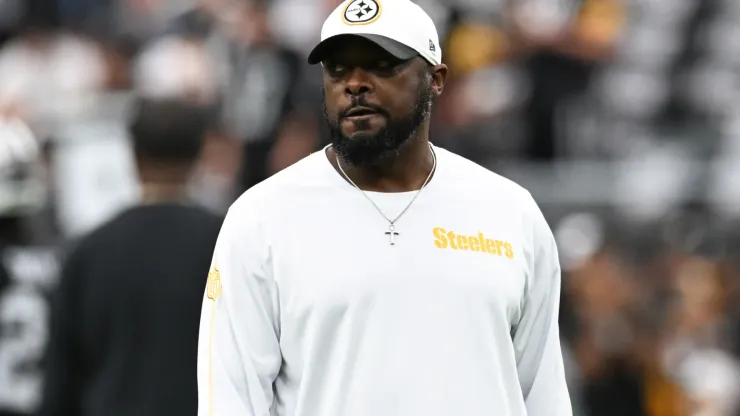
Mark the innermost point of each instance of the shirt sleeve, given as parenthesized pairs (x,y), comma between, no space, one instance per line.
(536,337)
(238,350)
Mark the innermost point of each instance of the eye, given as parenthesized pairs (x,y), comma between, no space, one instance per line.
(385,68)
(334,69)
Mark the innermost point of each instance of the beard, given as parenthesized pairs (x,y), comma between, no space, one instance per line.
(369,150)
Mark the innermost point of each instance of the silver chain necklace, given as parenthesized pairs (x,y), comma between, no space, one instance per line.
(391,233)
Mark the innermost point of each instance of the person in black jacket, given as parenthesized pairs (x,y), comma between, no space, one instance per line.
(125,318)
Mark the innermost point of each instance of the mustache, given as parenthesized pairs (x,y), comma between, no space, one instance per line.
(362,102)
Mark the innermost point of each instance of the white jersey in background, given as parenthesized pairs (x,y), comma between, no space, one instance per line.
(33,273)
(310,311)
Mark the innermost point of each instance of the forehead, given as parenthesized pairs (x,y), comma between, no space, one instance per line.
(355,50)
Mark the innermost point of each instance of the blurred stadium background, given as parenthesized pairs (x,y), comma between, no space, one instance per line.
(621,116)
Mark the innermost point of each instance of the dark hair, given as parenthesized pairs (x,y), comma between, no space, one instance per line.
(41,15)
(170,130)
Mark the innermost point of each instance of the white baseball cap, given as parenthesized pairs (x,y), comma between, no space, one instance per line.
(400,27)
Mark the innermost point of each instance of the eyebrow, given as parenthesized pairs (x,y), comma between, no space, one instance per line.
(390,59)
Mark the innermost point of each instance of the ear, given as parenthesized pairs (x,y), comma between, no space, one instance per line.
(439,78)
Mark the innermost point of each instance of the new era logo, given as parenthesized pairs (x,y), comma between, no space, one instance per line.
(431,46)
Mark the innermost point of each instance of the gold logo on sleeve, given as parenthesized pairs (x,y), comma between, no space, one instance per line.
(213,288)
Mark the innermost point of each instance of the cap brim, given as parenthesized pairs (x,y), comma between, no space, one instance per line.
(395,48)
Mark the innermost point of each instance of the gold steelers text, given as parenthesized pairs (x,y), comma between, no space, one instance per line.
(448,239)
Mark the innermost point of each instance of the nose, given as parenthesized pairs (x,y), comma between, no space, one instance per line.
(358,83)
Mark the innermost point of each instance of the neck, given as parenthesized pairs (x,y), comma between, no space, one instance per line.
(162,183)
(158,193)
(405,172)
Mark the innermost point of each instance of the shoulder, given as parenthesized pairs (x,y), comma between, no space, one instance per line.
(276,193)
(510,200)
(83,248)
(501,196)
(469,176)
(202,216)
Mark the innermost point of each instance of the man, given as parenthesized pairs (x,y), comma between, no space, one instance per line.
(382,275)
(125,319)
(28,270)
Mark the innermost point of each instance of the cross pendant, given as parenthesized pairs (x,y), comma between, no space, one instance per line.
(391,233)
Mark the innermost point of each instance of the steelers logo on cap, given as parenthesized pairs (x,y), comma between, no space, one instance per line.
(361,12)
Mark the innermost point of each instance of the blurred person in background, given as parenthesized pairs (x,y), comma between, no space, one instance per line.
(50,75)
(606,344)
(183,64)
(694,351)
(125,318)
(260,79)
(561,43)
(28,270)
(262,96)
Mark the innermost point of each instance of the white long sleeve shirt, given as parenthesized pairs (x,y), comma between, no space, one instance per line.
(310,311)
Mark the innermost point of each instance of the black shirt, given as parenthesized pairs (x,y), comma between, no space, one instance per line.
(126,316)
